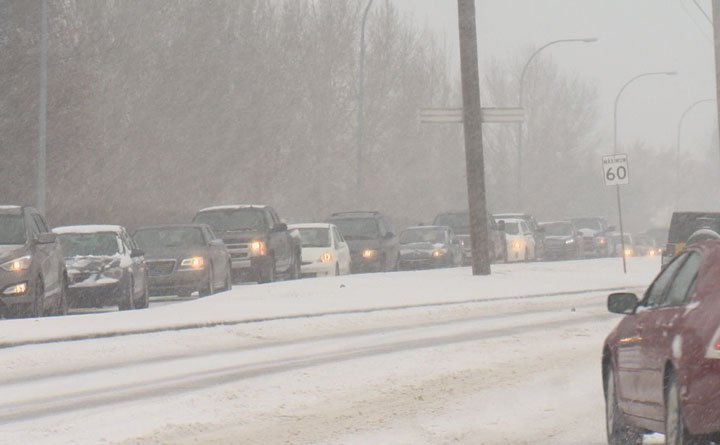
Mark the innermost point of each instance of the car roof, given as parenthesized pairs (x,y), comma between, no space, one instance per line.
(359,213)
(427,227)
(11,209)
(173,226)
(89,228)
(310,226)
(556,222)
(512,219)
(233,207)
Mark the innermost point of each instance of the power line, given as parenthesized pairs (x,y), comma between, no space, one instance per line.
(703,11)
(692,18)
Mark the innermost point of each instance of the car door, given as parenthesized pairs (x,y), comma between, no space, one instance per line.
(661,331)
(636,374)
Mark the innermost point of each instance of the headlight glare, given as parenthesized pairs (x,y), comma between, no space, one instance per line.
(17,289)
(326,257)
(369,254)
(18,264)
(257,248)
(195,263)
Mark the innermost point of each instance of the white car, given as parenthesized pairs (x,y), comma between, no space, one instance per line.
(324,251)
(520,240)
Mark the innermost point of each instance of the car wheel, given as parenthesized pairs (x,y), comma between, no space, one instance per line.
(37,309)
(63,304)
(675,431)
(128,301)
(144,298)
(618,433)
(267,276)
(295,268)
(209,288)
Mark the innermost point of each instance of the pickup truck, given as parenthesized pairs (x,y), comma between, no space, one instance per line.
(261,246)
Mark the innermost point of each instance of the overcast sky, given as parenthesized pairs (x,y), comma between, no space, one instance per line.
(635,36)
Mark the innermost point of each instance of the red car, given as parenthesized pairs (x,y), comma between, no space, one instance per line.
(661,364)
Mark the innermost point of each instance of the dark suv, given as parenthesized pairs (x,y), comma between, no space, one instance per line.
(373,246)
(260,245)
(688,228)
(32,268)
(459,222)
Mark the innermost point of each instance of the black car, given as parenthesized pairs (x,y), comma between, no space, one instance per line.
(104,267)
(32,269)
(426,247)
(373,245)
(687,228)
(562,241)
(459,222)
(182,259)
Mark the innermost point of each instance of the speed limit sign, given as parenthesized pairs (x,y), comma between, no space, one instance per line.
(615,169)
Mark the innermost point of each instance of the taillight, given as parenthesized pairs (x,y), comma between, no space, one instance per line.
(713,350)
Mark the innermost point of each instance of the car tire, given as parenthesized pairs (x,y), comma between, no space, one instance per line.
(63,303)
(128,301)
(144,298)
(267,276)
(675,431)
(618,433)
(37,308)
(209,288)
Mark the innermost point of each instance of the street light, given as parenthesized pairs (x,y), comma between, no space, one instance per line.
(677,147)
(361,99)
(615,141)
(522,88)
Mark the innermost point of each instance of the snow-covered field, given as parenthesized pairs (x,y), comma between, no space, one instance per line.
(429,357)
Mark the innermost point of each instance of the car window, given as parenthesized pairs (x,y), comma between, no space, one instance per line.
(338,238)
(656,293)
(524,227)
(681,285)
(40,223)
(36,230)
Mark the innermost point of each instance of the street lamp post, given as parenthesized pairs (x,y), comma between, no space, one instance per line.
(361,101)
(522,94)
(615,146)
(677,147)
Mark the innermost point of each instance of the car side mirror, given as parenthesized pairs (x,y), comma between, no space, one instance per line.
(46,238)
(622,303)
(137,253)
(280,227)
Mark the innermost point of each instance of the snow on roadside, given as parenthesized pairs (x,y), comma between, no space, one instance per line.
(312,296)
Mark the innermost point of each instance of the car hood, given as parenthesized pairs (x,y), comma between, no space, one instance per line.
(241,236)
(358,245)
(10,252)
(178,253)
(429,247)
(589,233)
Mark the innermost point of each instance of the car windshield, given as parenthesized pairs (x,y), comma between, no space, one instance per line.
(512,228)
(459,222)
(315,236)
(422,236)
(149,239)
(588,223)
(357,228)
(12,229)
(558,229)
(234,219)
(90,244)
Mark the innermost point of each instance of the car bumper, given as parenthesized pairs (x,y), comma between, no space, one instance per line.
(560,252)
(253,265)
(180,281)
(318,270)
(422,263)
(98,295)
(360,265)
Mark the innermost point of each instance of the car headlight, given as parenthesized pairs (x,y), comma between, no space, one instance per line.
(369,254)
(326,257)
(113,272)
(257,248)
(18,264)
(17,289)
(601,241)
(194,263)
(570,241)
(516,245)
(437,253)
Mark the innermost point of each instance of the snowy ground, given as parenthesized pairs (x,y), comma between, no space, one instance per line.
(464,361)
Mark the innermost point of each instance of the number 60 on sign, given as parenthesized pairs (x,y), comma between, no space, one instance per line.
(615,169)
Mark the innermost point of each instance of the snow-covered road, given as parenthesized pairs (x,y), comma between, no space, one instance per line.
(481,371)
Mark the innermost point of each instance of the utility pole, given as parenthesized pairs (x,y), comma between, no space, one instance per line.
(474,161)
(40,184)
(361,104)
(716,33)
